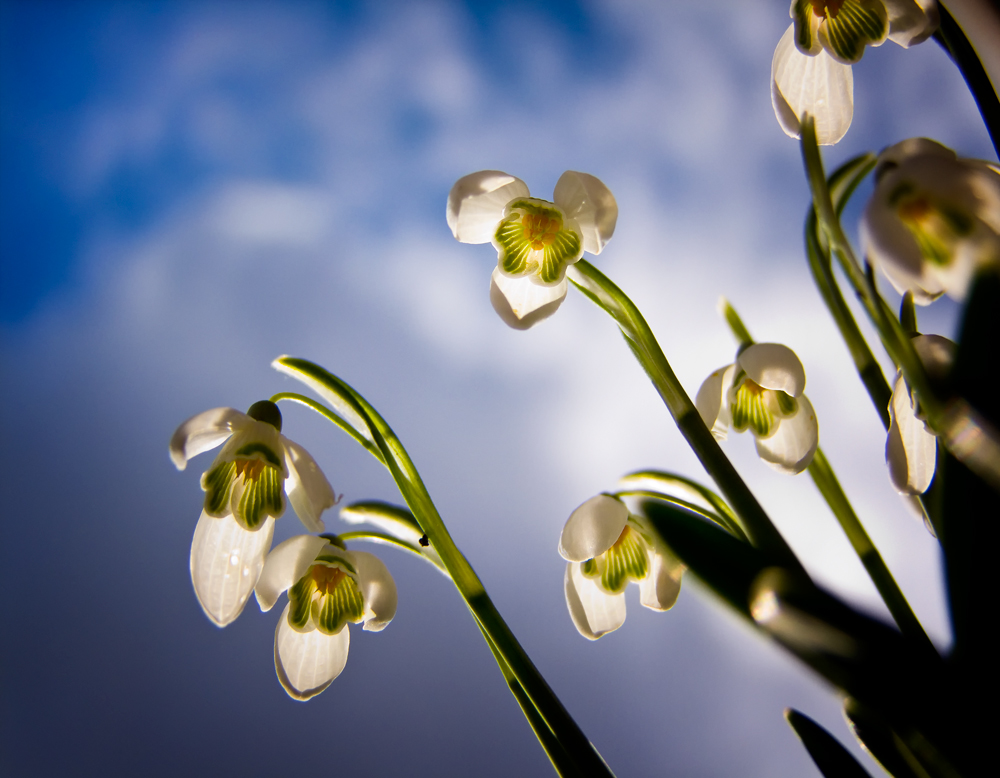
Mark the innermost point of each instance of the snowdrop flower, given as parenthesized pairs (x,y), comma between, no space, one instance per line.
(762,392)
(811,68)
(328,588)
(911,448)
(245,490)
(933,220)
(606,547)
(536,240)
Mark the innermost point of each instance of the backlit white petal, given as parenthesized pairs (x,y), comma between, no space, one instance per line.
(592,528)
(790,449)
(910,449)
(308,662)
(593,610)
(659,589)
(774,366)
(911,22)
(203,432)
(285,565)
(711,401)
(477,201)
(936,353)
(378,588)
(888,245)
(522,303)
(585,198)
(308,490)
(226,561)
(817,85)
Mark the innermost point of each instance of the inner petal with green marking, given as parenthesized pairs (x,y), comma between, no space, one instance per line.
(326,597)
(749,409)
(626,560)
(251,486)
(936,228)
(533,238)
(845,27)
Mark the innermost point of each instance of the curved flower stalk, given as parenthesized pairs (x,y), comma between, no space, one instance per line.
(762,392)
(911,447)
(606,547)
(933,221)
(536,240)
(245,491)
(328,588)
(811,68)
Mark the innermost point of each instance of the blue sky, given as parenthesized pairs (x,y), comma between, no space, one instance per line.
(189,190)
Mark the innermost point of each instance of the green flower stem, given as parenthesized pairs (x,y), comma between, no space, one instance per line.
(329,415)
(756,523)
(721,520)
(385,539)
(828,485)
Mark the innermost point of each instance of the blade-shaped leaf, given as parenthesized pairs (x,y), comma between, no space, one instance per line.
(832,759)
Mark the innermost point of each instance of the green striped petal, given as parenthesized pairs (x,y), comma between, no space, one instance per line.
(218,486)
(858,23)
(258,493)
(535,237)
(626,560)
(749,409)
(300,598)
(936,227)
(342,603)
(806,22)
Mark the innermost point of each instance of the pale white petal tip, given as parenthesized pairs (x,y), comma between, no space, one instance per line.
(521,303)
(306,663)
(910,448)
(586,199)
(791,448)
(774,366)
(592,528)
(711,401)
(308,489)
(378,589)
(659,590)
(202,432)
(595,613)
(476,204)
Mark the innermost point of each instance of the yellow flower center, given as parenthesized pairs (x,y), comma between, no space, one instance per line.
(326,578)
(540,229)
(825,8)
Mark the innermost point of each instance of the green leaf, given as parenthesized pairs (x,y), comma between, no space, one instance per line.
(881,743)
(832,759)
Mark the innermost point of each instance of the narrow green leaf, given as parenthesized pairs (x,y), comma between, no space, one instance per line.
(881,743)
(832,759)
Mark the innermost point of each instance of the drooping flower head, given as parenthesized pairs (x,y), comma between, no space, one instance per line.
(763,392)
(606,547)
(245,491)
(536,240)
(933,221)
(328,588)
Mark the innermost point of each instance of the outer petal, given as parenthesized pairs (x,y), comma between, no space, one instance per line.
(774,366)
(522,303)
(592,528)
(910,449)
(308,662)
(378,588)
(585,198)
(660,588)
(476,203)
(308,490)
(790,449)
(594,611)
(818,85)
(936,353)
(226,561)
(711,401)
(285,565)
(203,432)
(911,22)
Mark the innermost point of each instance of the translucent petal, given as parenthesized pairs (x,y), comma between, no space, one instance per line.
(712,403)
(790,449)
(592,528)
(910,449)
(203,432)
(594,611)
(936,353)
(911,22)
(774,366)
(817,85)
(658,590)
(285,565)
(585,198)
(308,490)
(806,27)
(522,303)
(378,588)
(226,561)
(477,201)
(308,662)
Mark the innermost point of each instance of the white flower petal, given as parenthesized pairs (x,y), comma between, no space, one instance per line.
(592,528)
(522,303)
(659,589)
(936,353)
(910,449)
(378,588)
(901,152)
(285,565)
(817,85)
(308,490)
(593,610)
(226,561)
(477,201)
(203,432)
(790,449)
(585,198)
(911,22)
(308,662)
(774,366)
(711,401)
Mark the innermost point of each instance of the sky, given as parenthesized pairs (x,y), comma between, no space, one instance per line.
(192,189)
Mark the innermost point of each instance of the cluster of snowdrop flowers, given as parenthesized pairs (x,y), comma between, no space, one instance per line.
(536,240)
(933,221)
(762,391)
(811,69)
(245,491)
(328,588)
(605,547)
